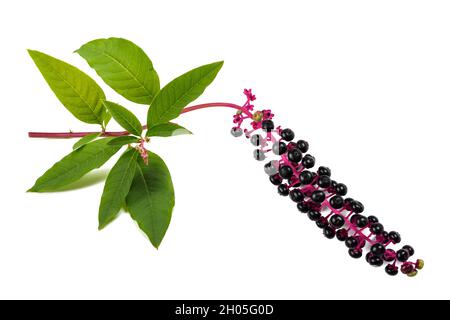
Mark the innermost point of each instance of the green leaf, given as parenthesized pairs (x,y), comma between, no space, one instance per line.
(124,67)
(124,117)
(75,165)
(181,91)
(78,92)
(116,187)
(85,140)
(120,141)
(151,198)
(167,130)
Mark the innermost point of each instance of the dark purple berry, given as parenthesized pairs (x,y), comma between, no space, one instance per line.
(389,255)
(351,242)
(342,234)
(314,215)
(283,190)
(372,219)
(324,171)
(391,270)
(318,196)
(362,221)
(377,228)
(276,179)
(341,189)
(355,253)
(324,181)
(294,181)
(303,207)
(285,172)
(402,255)
(287,134)
(322,222)
(357,206)
(409,249)
(296,195)
(306,177)
(267,125)
(375,261)
(395,237)
(308,161)
(377,249)
(337,221)
(337,202)
(303,145)
(294,155)
(329,232)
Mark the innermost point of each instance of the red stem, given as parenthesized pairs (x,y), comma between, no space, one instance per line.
(124,133)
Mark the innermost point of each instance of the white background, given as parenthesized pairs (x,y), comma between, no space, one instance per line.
(365,82)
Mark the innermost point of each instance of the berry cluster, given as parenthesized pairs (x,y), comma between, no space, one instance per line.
(321,198)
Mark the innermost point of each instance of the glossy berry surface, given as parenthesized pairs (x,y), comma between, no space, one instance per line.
(287,134)
(296,195)
(318,196)
(341,189)
(267,125)
(276,179)
(351,242)
(337,221)
(336,202)
(372,219)
(303,207)
(394,236)
(279,148)
(295,155)
(355,253)
(322,222)
(361,221)
(357,206)
(377,249)
(314,215)
(376,228)
(402,255)
(285,172)
(303,145)
(324,181)
(391,270)
(375,261)
(308,161)
(283,190)
(329,232)
(306,177)
(324,171)
(342,234)
(409,249)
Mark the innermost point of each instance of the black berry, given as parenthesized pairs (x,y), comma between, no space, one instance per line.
(337,221)
(303,145)
(322,222)
(351,242)
(308,161)
(329,232)
(355,253)
(362,221)
(283,190)
(402,255)
(377,249)
(303,207)
(318,196)
(324,171)
(337,202)
(341,189)
(295,155)
(324,181)
(375,261)
(377,228)
(314,215)
(287,134)
(342,234)
(296,195)
(391,270)
(285,172)
(395,237)
(306,177)
(276,179)
(372,219)
(409,249)
(267,125)
(357,206)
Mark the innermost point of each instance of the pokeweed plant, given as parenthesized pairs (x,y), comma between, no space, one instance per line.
(140,182)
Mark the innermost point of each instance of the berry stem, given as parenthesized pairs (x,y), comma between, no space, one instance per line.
(66,135)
